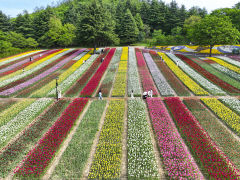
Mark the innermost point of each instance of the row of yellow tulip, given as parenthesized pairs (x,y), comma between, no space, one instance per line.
(107,159)
(223,112)
(192,85)
(120,84)
(47,88)
(124,55)
(225,64)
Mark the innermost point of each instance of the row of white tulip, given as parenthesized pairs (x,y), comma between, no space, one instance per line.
(210,87)
(21,120)
(141,158)
(133,76)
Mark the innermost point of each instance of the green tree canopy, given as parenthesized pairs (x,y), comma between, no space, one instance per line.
(213,30)
(58,34)
(129,30)
(97,26)
(5,24)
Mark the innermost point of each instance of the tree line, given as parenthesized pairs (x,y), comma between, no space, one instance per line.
(107,22)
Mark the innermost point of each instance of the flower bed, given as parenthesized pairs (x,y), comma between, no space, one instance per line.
(210,87)
(75,89)
(18,149)
(107,159)
(175,83)
(146,79)
(225,64)
(211,77)
(72,168)
(229,60)
(22,63)
(15,57)
(192,85)
(141,158)
(6,104)
(177,160)
(223,112)
(91,86)
(133,77)
(40,76)
(70,80)
(224,139)
(120,84)
(41,92)
(11,112)
(163,87)
(210,158)
(39,157)
(109,78)
(22,119)
(29,70)
(232,103)
(227,71)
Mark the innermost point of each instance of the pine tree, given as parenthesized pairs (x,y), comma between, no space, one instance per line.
(129,30)
(5,24)
(97,28)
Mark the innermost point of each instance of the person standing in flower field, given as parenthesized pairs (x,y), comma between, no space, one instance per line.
(100,94)
(151,93)
(132,94)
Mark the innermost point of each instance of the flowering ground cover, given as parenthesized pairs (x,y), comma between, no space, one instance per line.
(120,84)
(51,85)
(71,167)
(141,158)
(22,119)
(8,114)
(232,103)
(18,56)
(175,83)
(39,157)
(6,104)
(32,67)
(206,84)
(107,82)
(19,75)
(192,85)
(133,76)
(16,65)
(211,77)
(107,159)
(163,87)
(219,73)
(229,60)
(18,149)
(227,71)
(207,153)
(225,64)
(33,80)
(92,84)
(224,113)
(12,66)
(218,133)
(177,160)
(146,79)
(77,87)
(70,80)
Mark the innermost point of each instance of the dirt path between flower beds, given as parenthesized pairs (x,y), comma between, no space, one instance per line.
(94,146)
(64,146)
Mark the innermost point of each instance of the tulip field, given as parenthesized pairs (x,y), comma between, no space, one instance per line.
(55,125)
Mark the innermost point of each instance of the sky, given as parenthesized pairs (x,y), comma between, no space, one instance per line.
(14,7)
